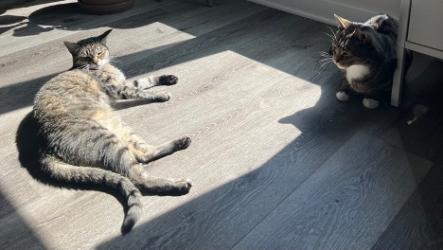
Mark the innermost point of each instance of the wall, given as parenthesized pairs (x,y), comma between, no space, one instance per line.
(323,10)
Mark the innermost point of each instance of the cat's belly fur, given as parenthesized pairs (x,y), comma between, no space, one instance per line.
(73,93)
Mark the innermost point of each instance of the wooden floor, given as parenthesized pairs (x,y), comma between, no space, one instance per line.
(276,162)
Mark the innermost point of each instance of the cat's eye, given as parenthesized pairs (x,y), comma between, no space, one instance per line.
(346,53)
(100,53)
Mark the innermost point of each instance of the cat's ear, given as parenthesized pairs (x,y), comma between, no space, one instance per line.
(103,36)
(72,47)
(341,22)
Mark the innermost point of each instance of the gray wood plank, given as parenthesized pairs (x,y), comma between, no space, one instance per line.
(16,234)
(347,203)
(262,116)
(419,224)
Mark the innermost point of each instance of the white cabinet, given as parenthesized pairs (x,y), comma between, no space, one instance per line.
(421,24)
(425,23)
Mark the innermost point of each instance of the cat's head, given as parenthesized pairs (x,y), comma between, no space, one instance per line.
(353,43)
(90,53)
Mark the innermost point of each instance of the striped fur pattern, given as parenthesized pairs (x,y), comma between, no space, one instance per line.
(366,53)
(84,141)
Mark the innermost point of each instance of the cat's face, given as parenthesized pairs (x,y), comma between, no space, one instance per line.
(351,44)
(91,53)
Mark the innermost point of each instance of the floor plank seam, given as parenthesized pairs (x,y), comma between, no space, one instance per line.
(292,191)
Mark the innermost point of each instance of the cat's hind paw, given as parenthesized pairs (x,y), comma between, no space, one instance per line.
(181,187)
(182,143)
(370,103)
(342,96)
(162,96)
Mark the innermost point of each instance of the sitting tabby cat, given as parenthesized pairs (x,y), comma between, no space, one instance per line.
(366,53)
(84,142)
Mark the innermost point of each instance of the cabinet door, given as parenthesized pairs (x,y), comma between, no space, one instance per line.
(426,23)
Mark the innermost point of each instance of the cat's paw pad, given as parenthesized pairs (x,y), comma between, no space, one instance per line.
(370,103)
(163,96)
(342,96)
(181,187)
(167,80)
(182,143)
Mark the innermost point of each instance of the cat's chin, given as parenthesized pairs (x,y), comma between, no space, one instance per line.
(95,67)
(340,66)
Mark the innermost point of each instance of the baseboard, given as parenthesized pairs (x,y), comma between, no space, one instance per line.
(322,10)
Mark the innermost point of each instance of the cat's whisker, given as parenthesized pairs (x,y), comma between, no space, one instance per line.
(325,59)
(332,31)
(322,65)
(325,62)
(329,35)
(333,34)
(325,56)
(324,53)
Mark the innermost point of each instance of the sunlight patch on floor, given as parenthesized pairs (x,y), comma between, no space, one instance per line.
(265,102)
(226,93)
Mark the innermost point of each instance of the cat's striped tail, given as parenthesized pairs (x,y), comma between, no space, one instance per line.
(70,174)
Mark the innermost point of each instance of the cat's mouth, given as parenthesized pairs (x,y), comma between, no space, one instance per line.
(94,67)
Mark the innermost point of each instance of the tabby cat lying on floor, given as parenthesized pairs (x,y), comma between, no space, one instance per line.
(366,53)
(84,142)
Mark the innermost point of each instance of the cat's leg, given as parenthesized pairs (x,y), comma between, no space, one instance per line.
(371,101)
(344,93)
(151,185)
(149,82)
(126,164)
(110,150)
(125,92)
(146,153)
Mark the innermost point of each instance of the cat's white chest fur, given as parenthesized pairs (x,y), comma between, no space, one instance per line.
(356,72)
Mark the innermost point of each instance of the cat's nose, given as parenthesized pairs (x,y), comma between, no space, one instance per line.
(338,58)
(94,66)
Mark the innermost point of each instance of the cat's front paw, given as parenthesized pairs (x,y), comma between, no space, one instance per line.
(167,80)
(182,143)
(342,96)
(370,103)
(162,96)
